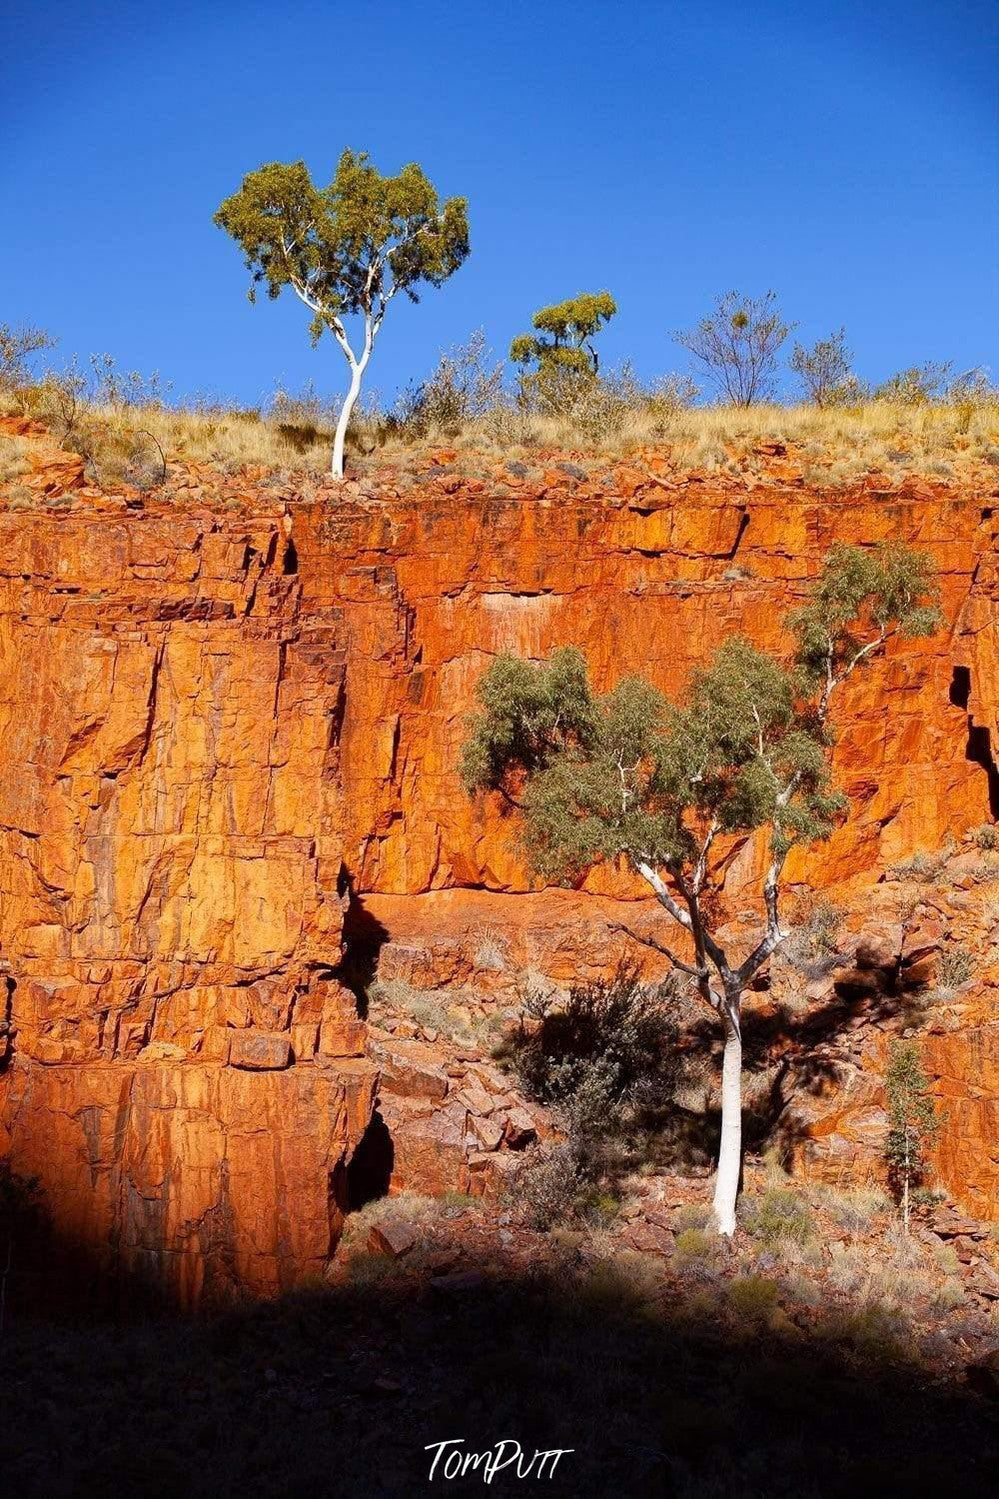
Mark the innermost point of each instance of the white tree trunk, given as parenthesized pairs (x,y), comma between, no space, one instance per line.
(730,1150)
(350,401)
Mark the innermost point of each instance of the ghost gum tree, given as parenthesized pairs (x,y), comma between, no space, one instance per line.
(345,250)
(631,776)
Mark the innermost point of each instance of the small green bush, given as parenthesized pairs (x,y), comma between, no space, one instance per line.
(950,1294)
(753,1297)
(551,1186)
(691,1215)
(854,1208)
(607,1051)
(779,1217)
(813,933)
(876,1332)
(987,836)
(694,1244)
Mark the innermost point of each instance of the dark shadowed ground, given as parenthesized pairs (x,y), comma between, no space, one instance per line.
(337,1390)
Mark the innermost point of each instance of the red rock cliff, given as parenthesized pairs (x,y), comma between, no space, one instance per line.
(223,712)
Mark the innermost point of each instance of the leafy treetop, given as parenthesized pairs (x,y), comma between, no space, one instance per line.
(630,773)
(567,331)
(349,247)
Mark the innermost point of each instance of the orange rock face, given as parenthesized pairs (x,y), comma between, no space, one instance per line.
(223,716)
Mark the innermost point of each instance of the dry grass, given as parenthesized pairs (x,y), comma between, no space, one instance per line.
(13,458)
(836,448)
(833,448)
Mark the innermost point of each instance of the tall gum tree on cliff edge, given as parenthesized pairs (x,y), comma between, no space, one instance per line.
(630,775)
(345,250)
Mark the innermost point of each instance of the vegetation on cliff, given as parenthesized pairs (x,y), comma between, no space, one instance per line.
(630,775)
(345,250)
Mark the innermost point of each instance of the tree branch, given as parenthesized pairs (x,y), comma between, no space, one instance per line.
(654,878)
(774,935)
(660,947)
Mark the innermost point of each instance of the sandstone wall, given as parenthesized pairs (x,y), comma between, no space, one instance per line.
(184,1073)
(221,714)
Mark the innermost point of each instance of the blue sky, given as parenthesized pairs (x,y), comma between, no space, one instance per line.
(842,153)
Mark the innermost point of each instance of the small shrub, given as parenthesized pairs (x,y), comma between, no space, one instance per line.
(946,1257)
(813,933)
(922,867)
(916,386)
(551,1186)
(950,1294)
(856,1207)
(753,1297)
(694,1244)
(691,1215)
(848,1270)
(803,1290)
(778,1217)
(464,387)
(18,347)
(13,458)
(368,1269)
(600,1055)
(956,967)
(119,388)
(627,1283)
(877,1332)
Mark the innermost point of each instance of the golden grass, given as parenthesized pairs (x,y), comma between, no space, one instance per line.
(832,447)
(13,457)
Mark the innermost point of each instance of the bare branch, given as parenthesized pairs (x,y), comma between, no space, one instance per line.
(660,947)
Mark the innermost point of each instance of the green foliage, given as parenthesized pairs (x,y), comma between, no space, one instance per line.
(815,926)
(862,596)
(825,372)
(987,837)
(737,345)
(463,388)
(118,388)
(753,1297)
(617,774)
(630,774)
(779,1216)
(348,246)
(561,349)
(607,1050)
(528,711)
(694,1244)
(553,1184)
(854,1208)
(912,1118)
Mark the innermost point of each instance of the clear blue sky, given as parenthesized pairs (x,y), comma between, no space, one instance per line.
(844,153)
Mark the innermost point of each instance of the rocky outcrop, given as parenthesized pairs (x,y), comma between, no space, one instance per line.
(922,962)
(230,711)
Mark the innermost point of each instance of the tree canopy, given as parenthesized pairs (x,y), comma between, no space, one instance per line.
(559,359)
(630,773)
(346,249)
(826,373)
